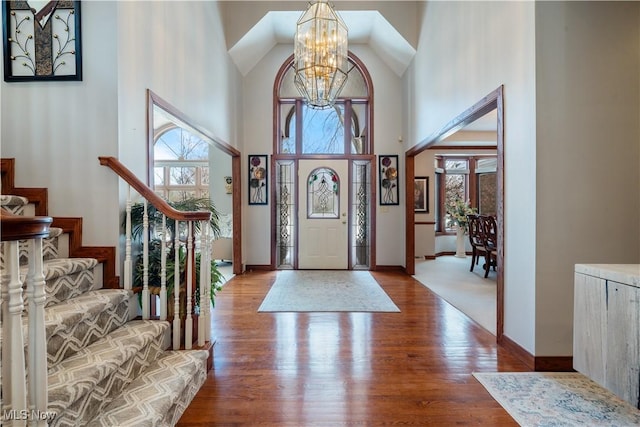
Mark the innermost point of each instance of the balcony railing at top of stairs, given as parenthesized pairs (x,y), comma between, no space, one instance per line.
(14,368)
(189,219)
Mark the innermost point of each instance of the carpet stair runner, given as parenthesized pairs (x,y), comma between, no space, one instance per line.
(105,367)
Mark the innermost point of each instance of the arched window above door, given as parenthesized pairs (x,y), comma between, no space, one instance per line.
(342,129)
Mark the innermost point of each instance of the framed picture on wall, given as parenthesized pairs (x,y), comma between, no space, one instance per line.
(41,40)
(258,183)
(421,194)
(388,179)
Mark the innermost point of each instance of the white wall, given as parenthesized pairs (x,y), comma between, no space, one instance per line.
(258,119)
(588,151)
(177,50)
(465,51)
(57,130)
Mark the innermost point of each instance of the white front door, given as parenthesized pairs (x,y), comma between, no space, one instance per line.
(323,188)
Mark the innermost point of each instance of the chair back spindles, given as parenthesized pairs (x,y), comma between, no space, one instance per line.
(483,237)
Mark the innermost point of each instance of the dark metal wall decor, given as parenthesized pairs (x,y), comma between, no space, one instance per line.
(388,177)
(258,182)
(41,41)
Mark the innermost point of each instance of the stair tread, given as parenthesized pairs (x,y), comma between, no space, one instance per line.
(12,200)
(151,396)
(58,267)
(73,311)
(79,374)
(78,322)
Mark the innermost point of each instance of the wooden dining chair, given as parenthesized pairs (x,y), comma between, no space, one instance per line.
(476,238)
(490,230)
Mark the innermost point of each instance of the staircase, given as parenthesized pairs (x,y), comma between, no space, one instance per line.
(104,367)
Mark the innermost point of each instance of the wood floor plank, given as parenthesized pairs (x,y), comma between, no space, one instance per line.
(335,369)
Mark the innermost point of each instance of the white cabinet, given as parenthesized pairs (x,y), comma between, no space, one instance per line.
(606,327)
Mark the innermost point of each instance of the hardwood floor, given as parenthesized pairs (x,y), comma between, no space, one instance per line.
(332,369)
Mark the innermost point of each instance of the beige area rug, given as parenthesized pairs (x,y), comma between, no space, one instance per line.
(544,399)
(449,277)
(316,291)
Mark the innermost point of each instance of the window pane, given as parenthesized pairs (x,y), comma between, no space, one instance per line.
(204,175)
(358,131)
(180,144)
(323,130)
(288,88)
(455,164)
(454,191)
(487,165)
(158,175)
(288,131)
(323,188)
(355,87)
(182,175)
(178,195)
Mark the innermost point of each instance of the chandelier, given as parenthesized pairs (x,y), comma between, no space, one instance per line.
(320,54)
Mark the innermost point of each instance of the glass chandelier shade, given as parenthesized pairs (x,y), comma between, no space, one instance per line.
(320,55)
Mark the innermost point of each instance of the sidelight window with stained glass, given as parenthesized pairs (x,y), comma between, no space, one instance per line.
(323,189)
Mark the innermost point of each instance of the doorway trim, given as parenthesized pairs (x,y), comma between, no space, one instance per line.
(494,100)
(225,147)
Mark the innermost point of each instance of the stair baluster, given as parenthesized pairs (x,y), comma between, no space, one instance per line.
(37,365)
(188,322)
(176,290)
(145,262)
(13,367)
(163,270)
(205,267)
(16,408)
(128,270)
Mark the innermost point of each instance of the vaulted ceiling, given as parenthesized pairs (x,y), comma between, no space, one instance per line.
(253,29)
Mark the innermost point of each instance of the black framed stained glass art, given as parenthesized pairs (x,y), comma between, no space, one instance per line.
(388,179)
(258,182)
(41,40)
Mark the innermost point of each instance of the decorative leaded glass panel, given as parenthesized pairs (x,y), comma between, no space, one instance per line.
(323,188)
(360,213)
(285,213)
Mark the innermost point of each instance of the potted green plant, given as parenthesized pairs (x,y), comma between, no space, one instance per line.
(156,249)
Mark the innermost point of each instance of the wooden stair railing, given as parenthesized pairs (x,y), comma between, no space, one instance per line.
(14,369)
(203,325)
